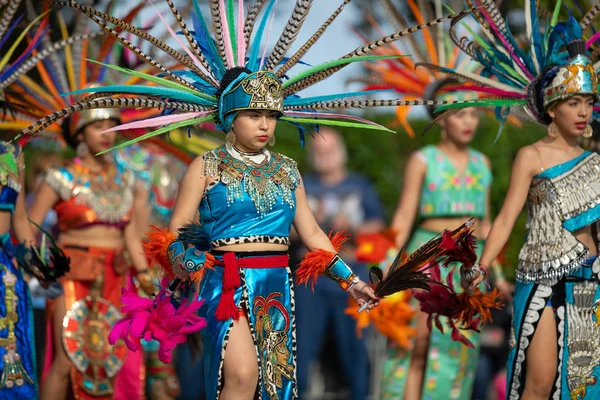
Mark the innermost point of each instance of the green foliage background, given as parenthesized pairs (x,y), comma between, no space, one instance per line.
(382,157)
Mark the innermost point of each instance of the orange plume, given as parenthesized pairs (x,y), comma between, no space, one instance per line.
(316,261)
(156,247)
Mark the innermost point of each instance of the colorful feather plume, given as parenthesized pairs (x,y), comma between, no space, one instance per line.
(411,272)
(461,311)
(507,67)
(156,319)
(191,85)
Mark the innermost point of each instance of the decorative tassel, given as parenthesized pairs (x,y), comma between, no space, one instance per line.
(231,280)
(156,249)
(316,261)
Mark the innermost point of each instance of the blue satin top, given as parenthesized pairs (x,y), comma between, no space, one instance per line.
(248,203)
(11,163)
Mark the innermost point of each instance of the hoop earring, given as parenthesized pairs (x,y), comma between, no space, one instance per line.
(271,141)
(82,150)
(230,138)
(552,130)
(588,131)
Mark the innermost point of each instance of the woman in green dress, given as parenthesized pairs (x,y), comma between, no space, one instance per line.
(444,185)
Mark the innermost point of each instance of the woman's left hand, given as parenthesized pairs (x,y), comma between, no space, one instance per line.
(363,293)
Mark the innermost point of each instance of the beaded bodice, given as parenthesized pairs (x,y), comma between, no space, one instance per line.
(88,198)
(248,202)
(561,200)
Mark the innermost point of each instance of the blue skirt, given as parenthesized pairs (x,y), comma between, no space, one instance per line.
(17,343)
(575,301)
(266,298)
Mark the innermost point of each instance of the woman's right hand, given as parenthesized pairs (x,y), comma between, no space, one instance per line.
(470,285)
(180,272)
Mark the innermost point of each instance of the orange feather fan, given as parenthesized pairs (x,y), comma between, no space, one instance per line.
(316,261)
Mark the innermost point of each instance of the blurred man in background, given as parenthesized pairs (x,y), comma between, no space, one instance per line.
(340,201)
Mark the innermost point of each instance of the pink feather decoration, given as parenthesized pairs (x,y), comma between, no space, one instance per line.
(241,42)
(156,319)
(226,36)
(158,121)
(592,40)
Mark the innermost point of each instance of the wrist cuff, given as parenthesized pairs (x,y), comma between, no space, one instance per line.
(340,272)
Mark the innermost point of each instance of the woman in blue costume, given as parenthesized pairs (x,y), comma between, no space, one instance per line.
(248,198)
(555,336)
(17,344)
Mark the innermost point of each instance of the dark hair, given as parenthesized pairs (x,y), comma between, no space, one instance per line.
(70,139)
(432,91)
(229,76)
(536,93)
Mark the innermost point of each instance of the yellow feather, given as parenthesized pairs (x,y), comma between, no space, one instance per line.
(68,54)
(37,89)
(12,49)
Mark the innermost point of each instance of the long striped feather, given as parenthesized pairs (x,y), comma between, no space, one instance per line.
(41,55)
(104,102)
(139,33)
(392,11)
(372,46)
(290,32)
(137,51)
(7,15)
(590,16)
(310,42)
(205,74)
(331,64)
(251,20)
(218,31)
(190,39)
(227,39)
(366,103)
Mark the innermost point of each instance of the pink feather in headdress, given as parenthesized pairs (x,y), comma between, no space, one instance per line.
(156,319)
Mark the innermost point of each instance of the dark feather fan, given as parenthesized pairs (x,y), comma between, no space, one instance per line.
(36,260)
(411,272)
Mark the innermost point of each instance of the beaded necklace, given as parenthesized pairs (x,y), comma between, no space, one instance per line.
(276,176)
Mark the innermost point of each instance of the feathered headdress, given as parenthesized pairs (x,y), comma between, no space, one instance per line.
(403,75)
(216,77)
(61,75)
(13,65)
(556,63)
